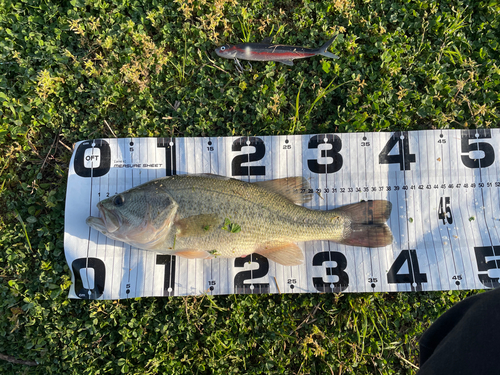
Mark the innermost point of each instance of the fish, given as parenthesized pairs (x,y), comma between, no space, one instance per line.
(210,216)
(266,51)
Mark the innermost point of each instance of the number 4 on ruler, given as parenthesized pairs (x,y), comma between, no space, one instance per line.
(413,277)
(403,158)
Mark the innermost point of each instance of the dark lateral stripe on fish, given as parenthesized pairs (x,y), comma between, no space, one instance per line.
(271,55)
(284,54)
(274,49)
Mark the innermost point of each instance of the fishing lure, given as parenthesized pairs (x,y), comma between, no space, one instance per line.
(266,51)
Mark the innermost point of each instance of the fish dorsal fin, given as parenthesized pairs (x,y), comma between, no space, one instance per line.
(287,254)
(289,187)
(197,225)
(267,39)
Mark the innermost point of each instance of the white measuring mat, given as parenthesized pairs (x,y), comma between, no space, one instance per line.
(443,184)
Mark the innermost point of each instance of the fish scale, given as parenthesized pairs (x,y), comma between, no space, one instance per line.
(257,211)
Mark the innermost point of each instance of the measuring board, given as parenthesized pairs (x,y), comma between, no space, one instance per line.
(443,184)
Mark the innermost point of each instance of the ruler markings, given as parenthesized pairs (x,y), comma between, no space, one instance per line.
(225,265)
(415,236)
(430,204)
(278,170)
(471,186)
(309,247)
(207,150)
(129,183)
(365,144)
(188,268)
(197,267)
(453,217)
(112,291)
(423,225)
(446,239)
(434,159)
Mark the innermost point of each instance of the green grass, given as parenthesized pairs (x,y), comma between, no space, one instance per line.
(147,68)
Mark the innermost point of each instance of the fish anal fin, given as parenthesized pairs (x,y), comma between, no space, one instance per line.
(286,254)
(193,254)
(289,187)
(286,62)
(197,225)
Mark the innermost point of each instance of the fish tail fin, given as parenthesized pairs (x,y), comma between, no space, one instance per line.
(368,226)
(323,49)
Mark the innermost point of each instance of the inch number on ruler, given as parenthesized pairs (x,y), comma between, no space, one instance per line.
(92,158)
(339,270)
(99,277)
(488,259)
(413,277)
(239,279)
(169,277)
(403,158)
(333,153)
(467,147)
(170,157)
(260,151)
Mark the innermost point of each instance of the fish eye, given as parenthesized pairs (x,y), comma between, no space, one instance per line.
(119,200)
(223,48)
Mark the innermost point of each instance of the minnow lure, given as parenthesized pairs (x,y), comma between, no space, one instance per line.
(266,51)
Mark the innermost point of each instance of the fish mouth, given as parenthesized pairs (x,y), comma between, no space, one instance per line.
(226,53)
(111,220)
(108,222)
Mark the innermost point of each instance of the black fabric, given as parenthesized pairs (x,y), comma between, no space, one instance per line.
(465,339)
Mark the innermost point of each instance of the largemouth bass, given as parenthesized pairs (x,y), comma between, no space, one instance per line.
(209,216)
(267,51)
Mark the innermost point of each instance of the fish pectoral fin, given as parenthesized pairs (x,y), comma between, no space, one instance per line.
(197,225)
(289,187)
(287,254)
(193,254)
(287,62)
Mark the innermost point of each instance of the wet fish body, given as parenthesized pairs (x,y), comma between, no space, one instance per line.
(272,52)
(209,216)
